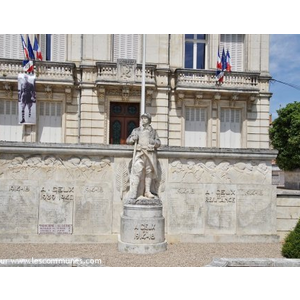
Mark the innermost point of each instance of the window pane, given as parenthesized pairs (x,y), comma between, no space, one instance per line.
(48,46)
(188,55)
(200,55)
(200,36)
(189,36)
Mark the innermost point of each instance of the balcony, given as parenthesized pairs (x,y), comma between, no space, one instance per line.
(46,72)
(126,71)
(206,79)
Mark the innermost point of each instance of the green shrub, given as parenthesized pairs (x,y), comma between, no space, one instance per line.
(291,245)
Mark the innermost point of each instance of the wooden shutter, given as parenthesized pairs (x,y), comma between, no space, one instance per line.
(126,46)
(10,130)
(195,127)
(59,47)
(11,46)
(230,133)
(42,44)
(50,122)
(235,44)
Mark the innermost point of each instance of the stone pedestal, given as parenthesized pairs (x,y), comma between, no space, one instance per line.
(142,229)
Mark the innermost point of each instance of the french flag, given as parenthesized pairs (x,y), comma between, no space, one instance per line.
(224,61)
(228,62)
(37,48)
(26,53)
(28,66)
(30,50)
(221,67)
(219,63)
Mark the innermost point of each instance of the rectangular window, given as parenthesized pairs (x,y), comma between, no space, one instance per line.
(10,130)
(127,46)
(54,47)
(11,46)
(48,47)
(195,51)
(230,128)
(50,122)
(195,127)
(234,43)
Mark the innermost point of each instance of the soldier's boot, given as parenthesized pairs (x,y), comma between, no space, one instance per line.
(148,193)
(133,191)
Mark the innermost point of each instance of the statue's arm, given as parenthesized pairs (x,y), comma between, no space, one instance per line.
(156,141)
(132,138)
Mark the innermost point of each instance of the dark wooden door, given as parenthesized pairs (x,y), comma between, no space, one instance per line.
(124,117)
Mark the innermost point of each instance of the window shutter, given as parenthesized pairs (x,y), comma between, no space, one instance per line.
(235,44)
(42,44)
(11,46)
(126,46)
(50,123)
(230,133)
(10,130)
(195,127)
(59,47)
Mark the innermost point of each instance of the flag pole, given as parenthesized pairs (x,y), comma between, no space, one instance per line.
(142,106)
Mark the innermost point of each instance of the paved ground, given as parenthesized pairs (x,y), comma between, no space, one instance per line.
(177,255)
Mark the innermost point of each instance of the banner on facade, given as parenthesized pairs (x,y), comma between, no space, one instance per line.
(27,99)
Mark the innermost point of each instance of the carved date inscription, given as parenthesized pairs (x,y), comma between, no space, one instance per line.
(57,193)
(19,188)
(144,232)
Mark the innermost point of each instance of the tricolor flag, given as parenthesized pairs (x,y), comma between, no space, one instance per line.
(30,51)
(37,48)
(220,66)
(228,63)
(224,61)
(28,66)
(219,63)
(26,54)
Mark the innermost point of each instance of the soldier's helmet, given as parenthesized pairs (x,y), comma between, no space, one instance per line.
(147,116)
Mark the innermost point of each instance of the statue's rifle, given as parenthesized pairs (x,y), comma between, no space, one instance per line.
(134,154)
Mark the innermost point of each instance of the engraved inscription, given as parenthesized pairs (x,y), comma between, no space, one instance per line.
(56,209)
(55,228)
(57,193)
(221,196)
(18,188)
(144,232)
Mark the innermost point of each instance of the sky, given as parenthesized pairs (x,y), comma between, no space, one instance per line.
(284,66)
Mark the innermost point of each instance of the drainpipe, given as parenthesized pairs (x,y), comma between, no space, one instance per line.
(80,85)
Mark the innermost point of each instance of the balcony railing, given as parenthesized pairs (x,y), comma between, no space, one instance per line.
(126,73)
(206,79)
(44,71)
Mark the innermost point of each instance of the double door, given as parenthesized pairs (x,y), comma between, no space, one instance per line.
(124,117)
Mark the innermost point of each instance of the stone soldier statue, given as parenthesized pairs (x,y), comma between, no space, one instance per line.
(144,164)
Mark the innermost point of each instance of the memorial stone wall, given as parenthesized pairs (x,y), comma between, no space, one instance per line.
(69,193)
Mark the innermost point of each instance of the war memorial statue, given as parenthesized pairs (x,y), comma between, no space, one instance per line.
(144,163)
(142,227)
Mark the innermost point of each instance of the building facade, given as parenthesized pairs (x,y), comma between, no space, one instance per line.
(87,83)
(64,178)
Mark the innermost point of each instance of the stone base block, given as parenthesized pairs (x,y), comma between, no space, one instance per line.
(141,248)
(142,229)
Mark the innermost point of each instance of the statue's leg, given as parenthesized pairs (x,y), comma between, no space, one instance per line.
(148,180)
(135,177)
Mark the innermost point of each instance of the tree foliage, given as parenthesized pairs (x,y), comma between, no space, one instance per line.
(291,245)
(285,136)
